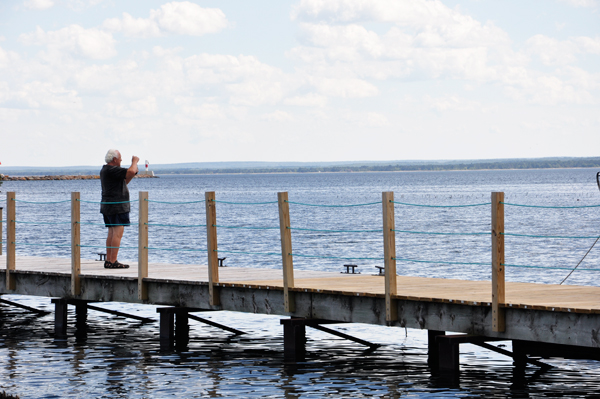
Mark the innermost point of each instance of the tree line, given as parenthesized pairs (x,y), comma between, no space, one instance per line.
(483,165)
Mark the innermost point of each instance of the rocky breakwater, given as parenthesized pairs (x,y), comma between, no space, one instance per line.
(58,177)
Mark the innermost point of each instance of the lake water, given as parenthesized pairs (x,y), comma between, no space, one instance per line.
(120,358)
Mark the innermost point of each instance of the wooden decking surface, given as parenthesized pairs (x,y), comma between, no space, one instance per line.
(566,298)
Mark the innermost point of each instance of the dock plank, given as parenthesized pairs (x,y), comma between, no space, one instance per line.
(580,299)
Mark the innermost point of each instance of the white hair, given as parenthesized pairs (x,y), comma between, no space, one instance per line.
(110,155)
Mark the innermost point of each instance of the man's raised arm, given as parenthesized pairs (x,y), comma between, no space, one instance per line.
(133,169)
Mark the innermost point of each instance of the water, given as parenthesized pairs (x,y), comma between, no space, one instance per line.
(121,358)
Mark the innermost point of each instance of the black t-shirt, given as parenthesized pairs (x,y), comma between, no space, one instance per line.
(114,189)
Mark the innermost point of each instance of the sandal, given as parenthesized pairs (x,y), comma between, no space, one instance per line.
(108,265)
(118,265)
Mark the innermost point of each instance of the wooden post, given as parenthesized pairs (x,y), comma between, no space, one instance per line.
(1,243)
(498,299)
(75,244)
(286,251)
(143,246)
(389,254)
(213,255)
(10,239)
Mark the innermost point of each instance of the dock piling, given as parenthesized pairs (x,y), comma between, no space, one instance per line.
(433,352)
(10,240)
(294,339)
(60,317)
(389,253)
(1,235)
(174,327)
(143,246)
(498,291)
(212,248)
(286,251)
(75,244)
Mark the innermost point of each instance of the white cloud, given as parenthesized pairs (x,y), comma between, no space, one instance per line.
(451,103)
(308,100)
(370,119)
(561,52)
(548,90)
(6,57)
(580,3)
(38,4)
(428,40)
(40,95)
(276,116)
(552,51)
(181,18)
(435,22)
(345,88)
(91,43)
(143,107)
(130,26)
(588,44)
(204,111)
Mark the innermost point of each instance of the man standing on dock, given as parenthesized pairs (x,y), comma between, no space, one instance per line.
(115,203)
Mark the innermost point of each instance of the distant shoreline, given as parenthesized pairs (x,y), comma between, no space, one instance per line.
(233,168)
(60,177)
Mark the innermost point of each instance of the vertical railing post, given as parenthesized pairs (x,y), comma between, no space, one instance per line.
(389,253)
(11,235)
(75,244)
(142,245)
(498,298)
(1,235)
(289,302)
(212,247)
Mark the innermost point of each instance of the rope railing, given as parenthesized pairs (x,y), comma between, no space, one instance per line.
(104,246)
(41,202)
(329,252)
(41,245)
(105,203)
(176,202)
(547,236)
(335,231)
(246,227)
(550,236)
(549,267)
(441,233)
(441,262)
(177,249)
(551,207)
(336,257)
(334,206)
(245,203)
(175,225)
(104,224)
(441,206)
(249,253)
(25,222)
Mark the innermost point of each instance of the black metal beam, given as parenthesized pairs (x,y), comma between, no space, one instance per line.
(345,336)
(117,313)
(511,354)
(18,305)
(214,324)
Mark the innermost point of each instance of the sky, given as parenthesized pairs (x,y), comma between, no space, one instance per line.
(301,80)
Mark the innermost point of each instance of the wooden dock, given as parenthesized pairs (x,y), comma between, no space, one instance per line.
(538,318)
(546,297)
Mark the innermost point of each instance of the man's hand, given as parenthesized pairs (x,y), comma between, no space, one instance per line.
(133,169)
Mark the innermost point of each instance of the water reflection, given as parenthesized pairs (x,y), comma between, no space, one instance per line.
(123,359)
